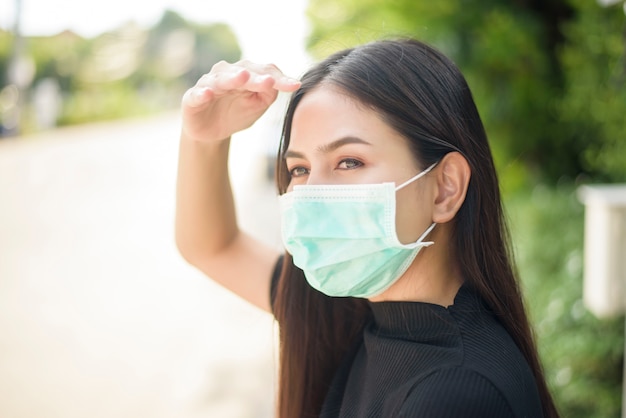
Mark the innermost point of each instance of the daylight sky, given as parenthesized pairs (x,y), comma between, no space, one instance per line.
(267,30)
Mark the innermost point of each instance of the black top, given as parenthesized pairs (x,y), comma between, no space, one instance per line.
(424,360)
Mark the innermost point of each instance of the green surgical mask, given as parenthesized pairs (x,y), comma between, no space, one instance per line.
(344,236)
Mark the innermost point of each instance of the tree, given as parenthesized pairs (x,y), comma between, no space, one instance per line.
(593,105)
(124,72)
(525,61)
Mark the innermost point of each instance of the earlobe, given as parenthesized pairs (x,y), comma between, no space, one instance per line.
(452,180)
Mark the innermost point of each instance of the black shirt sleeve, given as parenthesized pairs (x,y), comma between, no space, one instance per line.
(453,393)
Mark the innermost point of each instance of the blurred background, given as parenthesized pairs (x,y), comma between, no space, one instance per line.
(100,317)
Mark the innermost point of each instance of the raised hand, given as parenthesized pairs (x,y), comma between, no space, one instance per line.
(230,98)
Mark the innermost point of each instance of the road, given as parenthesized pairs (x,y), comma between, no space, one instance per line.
(99,314)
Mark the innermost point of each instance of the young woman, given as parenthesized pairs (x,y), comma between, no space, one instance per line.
(397,296)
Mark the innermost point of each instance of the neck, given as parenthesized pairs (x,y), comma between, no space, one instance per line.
(433,277)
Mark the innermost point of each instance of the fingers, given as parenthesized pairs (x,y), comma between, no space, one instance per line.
(280,81)
(243,76)
(217,82)
(246,75)
(287,84)
(196,96)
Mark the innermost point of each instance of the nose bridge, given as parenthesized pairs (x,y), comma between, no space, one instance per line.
(319,174)
(317,177)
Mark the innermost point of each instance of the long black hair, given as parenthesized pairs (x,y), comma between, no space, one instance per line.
(422,95)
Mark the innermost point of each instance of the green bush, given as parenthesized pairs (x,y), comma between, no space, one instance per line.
(548,77)
(582,355)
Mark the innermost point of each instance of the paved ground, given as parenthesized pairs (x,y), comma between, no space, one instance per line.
(99,315)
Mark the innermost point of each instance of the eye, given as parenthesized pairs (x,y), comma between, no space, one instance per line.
(298,171)
(349,164)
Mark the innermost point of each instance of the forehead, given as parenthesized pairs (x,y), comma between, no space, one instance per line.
(332,98)
(327,114)
(328,122)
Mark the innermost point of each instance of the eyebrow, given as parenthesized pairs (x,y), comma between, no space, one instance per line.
(330,147)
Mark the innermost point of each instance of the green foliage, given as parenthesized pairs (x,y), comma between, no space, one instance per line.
(58,57)
(125,72)
(582,355)
(594,103)
(91,105)
(5,51)
(548,77)
(193,48)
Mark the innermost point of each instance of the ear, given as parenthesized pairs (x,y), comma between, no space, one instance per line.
(452,179)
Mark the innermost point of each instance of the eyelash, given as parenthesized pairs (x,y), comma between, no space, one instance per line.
(355,162)
(292,171)
(351,160)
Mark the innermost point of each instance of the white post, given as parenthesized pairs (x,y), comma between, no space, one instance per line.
(604,282)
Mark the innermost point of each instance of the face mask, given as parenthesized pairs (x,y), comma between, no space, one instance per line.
(344,236)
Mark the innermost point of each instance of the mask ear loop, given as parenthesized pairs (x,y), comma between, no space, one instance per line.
(425,234)
(430,228)
(412,179)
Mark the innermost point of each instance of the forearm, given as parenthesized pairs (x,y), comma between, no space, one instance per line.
(227,100)
(205,212)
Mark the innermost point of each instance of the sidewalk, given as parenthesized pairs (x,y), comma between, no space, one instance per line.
(99,315)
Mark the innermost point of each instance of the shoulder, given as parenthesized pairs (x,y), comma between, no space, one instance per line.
(455,392)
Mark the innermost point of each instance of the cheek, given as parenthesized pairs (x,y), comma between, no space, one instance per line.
(413,215)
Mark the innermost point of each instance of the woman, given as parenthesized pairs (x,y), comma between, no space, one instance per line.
(397,296)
